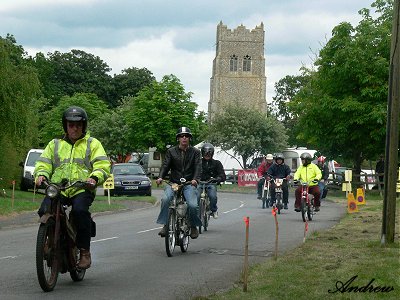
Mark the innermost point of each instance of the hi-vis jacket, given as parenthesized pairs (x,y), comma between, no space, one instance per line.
(84,159)
(308,174)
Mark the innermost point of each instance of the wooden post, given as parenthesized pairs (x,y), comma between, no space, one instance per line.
(274,209)
(392,134)
(12,197)
(246,256)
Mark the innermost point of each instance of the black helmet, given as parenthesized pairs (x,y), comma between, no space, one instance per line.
(307,158)
(207,148)
(279,156)
(74,114)
(183,130)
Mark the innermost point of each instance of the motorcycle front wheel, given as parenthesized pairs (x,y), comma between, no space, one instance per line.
(184,242)
(279,202)
(46,256)
(170,235)
(303,210)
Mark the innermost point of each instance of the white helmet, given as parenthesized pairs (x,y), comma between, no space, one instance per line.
(269,157)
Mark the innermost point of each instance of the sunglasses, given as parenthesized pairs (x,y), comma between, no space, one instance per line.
(183,135)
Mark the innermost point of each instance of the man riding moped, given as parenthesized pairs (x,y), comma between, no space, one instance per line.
(184,162)
(262,173)
(75,156)
(211,168)
(280,170)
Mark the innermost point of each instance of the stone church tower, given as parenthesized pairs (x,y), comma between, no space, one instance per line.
(238,75)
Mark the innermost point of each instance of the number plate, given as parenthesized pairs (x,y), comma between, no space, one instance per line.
(133,187)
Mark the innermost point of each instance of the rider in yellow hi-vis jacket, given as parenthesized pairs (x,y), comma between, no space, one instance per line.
(76,156)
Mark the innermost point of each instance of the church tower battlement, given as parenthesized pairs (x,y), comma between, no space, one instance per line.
(238,74)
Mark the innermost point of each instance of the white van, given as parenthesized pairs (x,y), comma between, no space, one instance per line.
(27,180)
(292,156)
(154,163)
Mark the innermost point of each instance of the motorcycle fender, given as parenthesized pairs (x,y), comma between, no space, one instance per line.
(43,219)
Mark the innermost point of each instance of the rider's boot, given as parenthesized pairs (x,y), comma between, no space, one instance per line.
(162,231)
(84,260)
(285,206)
(194,233)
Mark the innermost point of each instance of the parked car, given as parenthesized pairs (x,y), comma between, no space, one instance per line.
(27,180)
(130,179)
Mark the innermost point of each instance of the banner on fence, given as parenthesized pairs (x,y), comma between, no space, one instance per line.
(247,178)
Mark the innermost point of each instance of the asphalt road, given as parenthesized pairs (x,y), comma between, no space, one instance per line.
(130,262)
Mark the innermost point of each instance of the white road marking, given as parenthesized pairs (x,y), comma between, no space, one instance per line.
(7,257)
(150,229)
(228,211)
(106,239)
(225,212)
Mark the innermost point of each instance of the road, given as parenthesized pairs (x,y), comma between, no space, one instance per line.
(130,262)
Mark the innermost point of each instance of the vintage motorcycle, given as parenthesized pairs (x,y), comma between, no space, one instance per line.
(204,205)
(178,229)
(307,202)
(278,204)
(56,251)
(266,193)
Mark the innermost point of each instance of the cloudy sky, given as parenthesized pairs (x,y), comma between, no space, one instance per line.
(176,36)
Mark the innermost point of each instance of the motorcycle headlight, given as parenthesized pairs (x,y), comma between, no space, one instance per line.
(52,191)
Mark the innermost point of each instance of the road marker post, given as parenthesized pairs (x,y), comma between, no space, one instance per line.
(246,255)
(274,209)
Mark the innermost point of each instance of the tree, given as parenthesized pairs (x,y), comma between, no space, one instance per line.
(158,110)
(64,74)
(113,130)
(129,83)
(247,131)
(51,121)
(19,92)
(286,89)
(342,109)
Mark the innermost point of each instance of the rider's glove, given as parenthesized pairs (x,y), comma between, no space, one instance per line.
(315,181)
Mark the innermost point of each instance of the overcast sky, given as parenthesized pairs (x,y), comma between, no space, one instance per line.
(176,36)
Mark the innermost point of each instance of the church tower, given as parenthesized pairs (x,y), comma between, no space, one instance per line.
(238,74)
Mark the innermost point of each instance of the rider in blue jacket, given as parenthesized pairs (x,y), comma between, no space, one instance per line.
(280,170)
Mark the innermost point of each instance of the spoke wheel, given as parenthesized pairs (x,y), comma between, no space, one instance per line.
(303,209)
(203,215)
(76,274)
(309,212)
(184,242)
(170,236)
(46,257)
(279,202)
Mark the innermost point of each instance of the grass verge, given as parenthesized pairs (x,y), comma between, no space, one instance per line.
(28,201)
(320,268)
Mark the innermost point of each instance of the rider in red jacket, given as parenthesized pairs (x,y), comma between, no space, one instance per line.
(262,172)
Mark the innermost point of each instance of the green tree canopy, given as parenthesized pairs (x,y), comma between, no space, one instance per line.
(286,89)
(129,83)
(19,92)
(247,131)
(158,110)
(342,109)
(52,120)
(64,74)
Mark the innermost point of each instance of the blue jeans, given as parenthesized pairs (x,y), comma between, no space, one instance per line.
(190,194)
(260,186)
(211,190)
(322,187)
